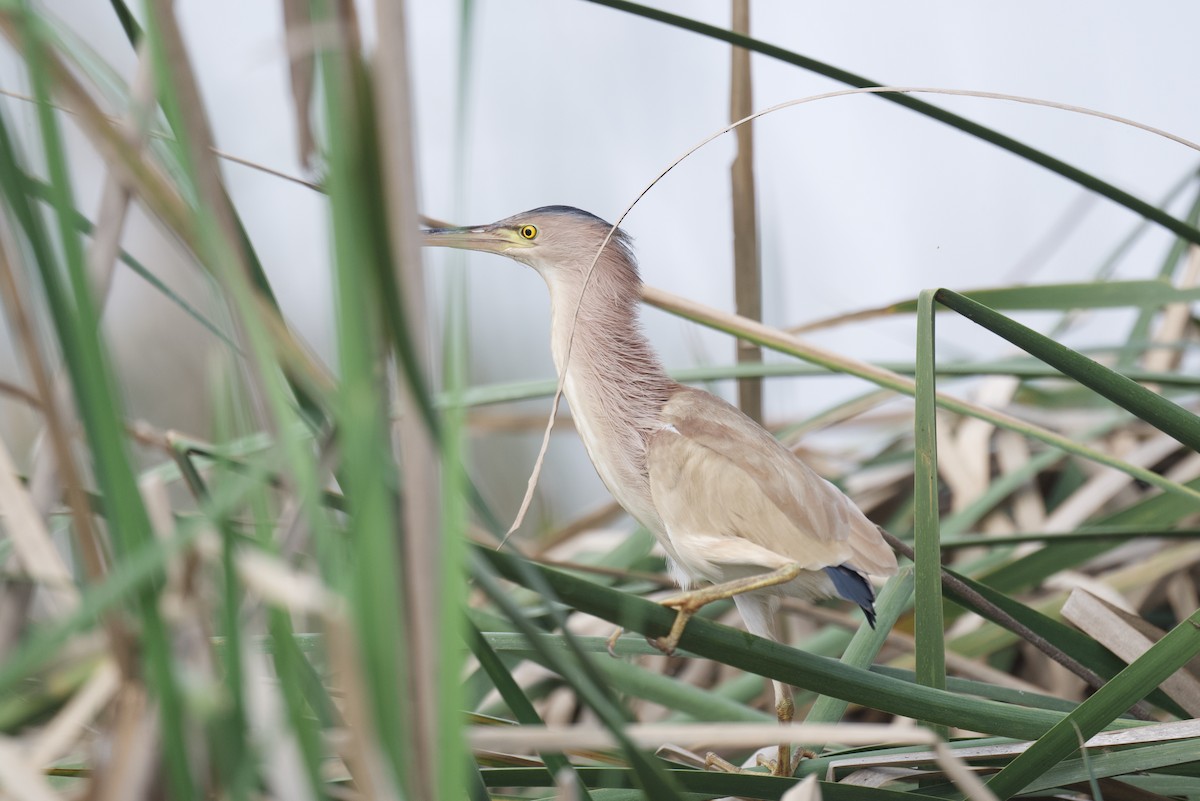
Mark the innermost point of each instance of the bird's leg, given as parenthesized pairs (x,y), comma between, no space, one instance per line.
(786,764)
(716,762)
(687,604)
(784,709)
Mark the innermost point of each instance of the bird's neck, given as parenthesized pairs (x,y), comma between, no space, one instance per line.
(615,384)
(596,337)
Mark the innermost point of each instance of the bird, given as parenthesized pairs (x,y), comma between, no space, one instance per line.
(737,513)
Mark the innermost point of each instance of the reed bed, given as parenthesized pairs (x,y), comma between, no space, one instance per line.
(310,603)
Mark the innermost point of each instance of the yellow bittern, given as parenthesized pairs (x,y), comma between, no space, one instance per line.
(730,505)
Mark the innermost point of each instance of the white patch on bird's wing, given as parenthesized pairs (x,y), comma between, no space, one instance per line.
(670,427)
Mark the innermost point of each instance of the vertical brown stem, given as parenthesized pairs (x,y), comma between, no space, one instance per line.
(423,553)
(747,272)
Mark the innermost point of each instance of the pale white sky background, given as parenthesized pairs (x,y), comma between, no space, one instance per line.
(861,202)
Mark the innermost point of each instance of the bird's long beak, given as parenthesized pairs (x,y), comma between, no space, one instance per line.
(485,238)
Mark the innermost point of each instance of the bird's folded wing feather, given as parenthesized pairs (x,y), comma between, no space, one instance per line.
(714,472)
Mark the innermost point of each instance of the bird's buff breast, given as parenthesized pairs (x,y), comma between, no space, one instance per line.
(615,459)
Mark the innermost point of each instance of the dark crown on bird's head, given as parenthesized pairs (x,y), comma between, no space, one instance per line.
(621,242)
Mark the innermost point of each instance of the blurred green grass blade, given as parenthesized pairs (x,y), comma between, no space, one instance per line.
(175,160)
(86,226)
(1156,410)
(1098,763)
(508,391)
(864,647)
(14,183)
(129,578)
(1156,512)
(1002,486)
(129,23)
(771,339)
(1104,763)
(291,667)
(651,775)
(1122,248)
(514,697)
(458,493)
(709,784)
(1175,649)
(1140,331)
(1093,533)
(231,749)
(930,645)
(979,689)
(302,724)
(633,680)
(963,124)
(1064,297)
(765,658)
(77,324)
(1082,648)
(998,490)
(367,470)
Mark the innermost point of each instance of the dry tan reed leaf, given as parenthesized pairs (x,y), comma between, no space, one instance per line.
(498,422)
(971,440)
(589,521)
(159,196)
(961,774)
(153,490)
(301,70)
(17,392)
(957,466)
(715,735)
(21,319)
(423,562)
(1128,636)
(226,250)
(1028,505)
(1138,735)
(1182,594)
(132,741)
(1139,576)
(959,665)
(1176,320)
(566,785)
(1101,487)
(806,790)
(280,585)
(682,756)
(1186,470)
(848,411)
(65,729)
(359,749)
(154,188)
(34,548)
(879,777)
(282,763)
(21,779)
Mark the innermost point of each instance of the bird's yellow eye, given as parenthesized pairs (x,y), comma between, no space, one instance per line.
(528,231)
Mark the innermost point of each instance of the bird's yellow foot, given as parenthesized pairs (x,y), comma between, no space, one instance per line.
(611,643)
(685,605)
(714,762)
(792,760)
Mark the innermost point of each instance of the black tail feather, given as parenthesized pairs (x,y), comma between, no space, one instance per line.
(853,586)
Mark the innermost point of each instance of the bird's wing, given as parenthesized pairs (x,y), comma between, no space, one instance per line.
(716,473)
